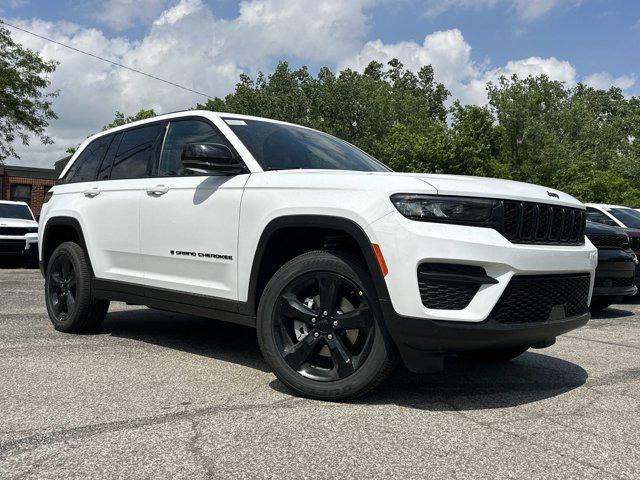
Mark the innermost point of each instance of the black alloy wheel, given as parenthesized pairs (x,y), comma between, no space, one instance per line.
(323,326)
(62,288)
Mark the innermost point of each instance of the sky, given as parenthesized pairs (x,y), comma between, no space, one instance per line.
(206,44)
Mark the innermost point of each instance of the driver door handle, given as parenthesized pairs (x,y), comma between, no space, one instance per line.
(91,192)
(157,190)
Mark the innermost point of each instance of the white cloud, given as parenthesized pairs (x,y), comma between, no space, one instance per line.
(188,45)
(604,81)
(526,10)
(121,14)
(451,57)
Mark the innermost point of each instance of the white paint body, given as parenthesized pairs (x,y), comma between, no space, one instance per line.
(130,234)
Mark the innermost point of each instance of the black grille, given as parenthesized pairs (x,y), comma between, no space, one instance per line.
(539,223)
(448,294)
(635,243)
(609,240)
(539,298)
(16,230)
(614,282)
(12,246)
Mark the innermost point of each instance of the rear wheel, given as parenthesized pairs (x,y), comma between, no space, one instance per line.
(68,297)
(499,355)
(319,328)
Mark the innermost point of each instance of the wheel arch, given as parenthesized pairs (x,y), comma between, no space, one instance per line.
(58,230)
(262,269)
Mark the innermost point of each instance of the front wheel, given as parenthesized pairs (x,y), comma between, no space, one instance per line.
(319,328)
(500,355)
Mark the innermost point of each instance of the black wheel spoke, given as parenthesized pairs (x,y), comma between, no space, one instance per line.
(71,300)
(296,354)
(340,355)
(55,303)
(293,308)
(355,319)
(323,347)
(328,294)
(66,269)
(72,280)
(56,279)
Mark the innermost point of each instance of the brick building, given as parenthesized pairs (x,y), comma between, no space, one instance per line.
(28,184)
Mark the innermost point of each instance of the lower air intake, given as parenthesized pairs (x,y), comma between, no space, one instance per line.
(540,298)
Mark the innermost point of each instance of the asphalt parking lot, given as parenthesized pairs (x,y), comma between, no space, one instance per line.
(160,395)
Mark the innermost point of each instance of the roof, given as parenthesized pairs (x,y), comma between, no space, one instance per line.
(4,202)
(28,172)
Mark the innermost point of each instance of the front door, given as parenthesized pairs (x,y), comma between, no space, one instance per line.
(189,221)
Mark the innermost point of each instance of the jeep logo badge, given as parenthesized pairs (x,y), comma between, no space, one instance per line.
(553,194)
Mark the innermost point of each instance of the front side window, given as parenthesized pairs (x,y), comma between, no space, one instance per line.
(179,134)
(597,216)
(20,193)
(628,216)
(278,146)
(11,210)
(86,165)
(137,152)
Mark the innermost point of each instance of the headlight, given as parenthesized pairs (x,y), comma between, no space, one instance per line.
(433,208)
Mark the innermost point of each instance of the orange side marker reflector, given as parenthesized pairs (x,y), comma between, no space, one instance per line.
(380,258)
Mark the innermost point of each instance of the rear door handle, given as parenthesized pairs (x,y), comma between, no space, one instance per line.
(91,192)
(157,190)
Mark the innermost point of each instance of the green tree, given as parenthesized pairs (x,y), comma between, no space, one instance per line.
(120,119)
(25,108)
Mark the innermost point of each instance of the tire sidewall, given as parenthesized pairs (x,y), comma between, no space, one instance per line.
(83,294)
(366,376)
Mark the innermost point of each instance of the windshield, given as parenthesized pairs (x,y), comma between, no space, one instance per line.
(284,147)
(15,210)
(628,216)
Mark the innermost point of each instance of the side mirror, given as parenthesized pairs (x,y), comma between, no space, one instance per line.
(210,158)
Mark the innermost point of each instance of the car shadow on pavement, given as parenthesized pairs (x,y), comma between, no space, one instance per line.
(201,336)
(461,386)
(611,312)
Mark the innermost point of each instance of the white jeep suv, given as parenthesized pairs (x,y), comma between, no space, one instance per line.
(342,265)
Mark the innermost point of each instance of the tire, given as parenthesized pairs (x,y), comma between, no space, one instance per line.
(315,354)
(70,304)
(598,304)
(500,355)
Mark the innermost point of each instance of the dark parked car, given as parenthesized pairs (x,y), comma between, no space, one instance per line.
(615,275)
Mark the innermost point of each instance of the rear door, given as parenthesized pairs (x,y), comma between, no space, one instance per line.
(189,221)
(109,204)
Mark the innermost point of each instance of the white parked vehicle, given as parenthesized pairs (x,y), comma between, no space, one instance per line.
(18,230)
(340,263)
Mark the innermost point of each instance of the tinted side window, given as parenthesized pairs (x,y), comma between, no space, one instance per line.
(597,216)
(136,152)
(179,134)
(85,167)
(105,168)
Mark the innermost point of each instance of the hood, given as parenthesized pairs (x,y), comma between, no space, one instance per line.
(15,222)
(394,182)
(497,188)
(600,229)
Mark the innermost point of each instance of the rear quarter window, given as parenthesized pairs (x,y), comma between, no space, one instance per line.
(137,152)
(85,167)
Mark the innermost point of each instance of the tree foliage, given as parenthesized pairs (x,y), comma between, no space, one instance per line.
(579,139)
(25,107)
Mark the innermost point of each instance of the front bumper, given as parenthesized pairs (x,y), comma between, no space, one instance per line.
(405,244)
(615,274)
(422,341)
(26,245)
